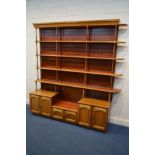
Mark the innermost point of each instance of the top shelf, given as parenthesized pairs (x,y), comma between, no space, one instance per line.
(119,43)
(82,41)
(87,23)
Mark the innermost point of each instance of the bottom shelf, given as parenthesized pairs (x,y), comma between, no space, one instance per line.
(67,105)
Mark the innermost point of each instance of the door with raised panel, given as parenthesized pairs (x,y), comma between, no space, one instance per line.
(71,116)
(99,118)
(45,104)
(84,115)
(57,113)
(34,104)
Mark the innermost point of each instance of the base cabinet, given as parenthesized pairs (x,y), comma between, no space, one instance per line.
(40,105)
(85,115)
(99,118)
(35,104)
(94,117)
(45,104)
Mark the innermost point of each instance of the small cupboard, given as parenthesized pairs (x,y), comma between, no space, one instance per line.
(76,71)
(41,102)
(93,113)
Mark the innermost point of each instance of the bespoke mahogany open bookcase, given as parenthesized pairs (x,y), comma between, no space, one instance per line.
(76,70)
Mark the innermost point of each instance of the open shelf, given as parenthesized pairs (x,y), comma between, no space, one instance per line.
(81,41)
(83,57)
(94,102)
(76,85)
(107,22)
(66,105)
(82,71)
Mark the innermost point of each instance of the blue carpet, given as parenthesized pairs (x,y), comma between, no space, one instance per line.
(51,137)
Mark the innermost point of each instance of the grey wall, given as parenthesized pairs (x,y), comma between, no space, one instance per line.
(69,10)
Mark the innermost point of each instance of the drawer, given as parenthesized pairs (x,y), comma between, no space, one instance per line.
(71,116)
(57,113)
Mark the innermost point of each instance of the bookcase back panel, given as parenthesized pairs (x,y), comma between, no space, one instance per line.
(101,50)
(73,33)
(48,62)
(100,65)
(70,94)
(72,63)
(102,33)
(73,49)
(71,77)
(99,80)
(48,48)
(48,87)
(96,94)
(48,34)
(50,75)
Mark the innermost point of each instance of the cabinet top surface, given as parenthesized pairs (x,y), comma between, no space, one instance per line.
(44,93)
(79,23)
(95,102)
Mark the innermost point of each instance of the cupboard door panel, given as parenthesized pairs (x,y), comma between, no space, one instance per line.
(85,115)
(45,103)
(100,118)
(71,116)
(57,113)
(34,104)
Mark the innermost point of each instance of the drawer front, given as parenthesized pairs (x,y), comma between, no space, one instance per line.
(57,113)
(71,116)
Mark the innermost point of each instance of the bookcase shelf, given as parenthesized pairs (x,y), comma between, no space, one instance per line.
(83,57)
(77,85)
(82,71)
(81,41)
(76,70)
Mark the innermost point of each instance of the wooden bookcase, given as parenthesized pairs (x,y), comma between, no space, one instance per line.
(76,68)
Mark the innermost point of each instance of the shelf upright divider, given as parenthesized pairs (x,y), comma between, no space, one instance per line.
(56,58)
(114,62)
(86,60)
(36,29)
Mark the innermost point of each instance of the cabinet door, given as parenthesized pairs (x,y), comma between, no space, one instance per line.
(34,104)
(100,118)
(45,104)
(84,115)
(57,113)
(71,116)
